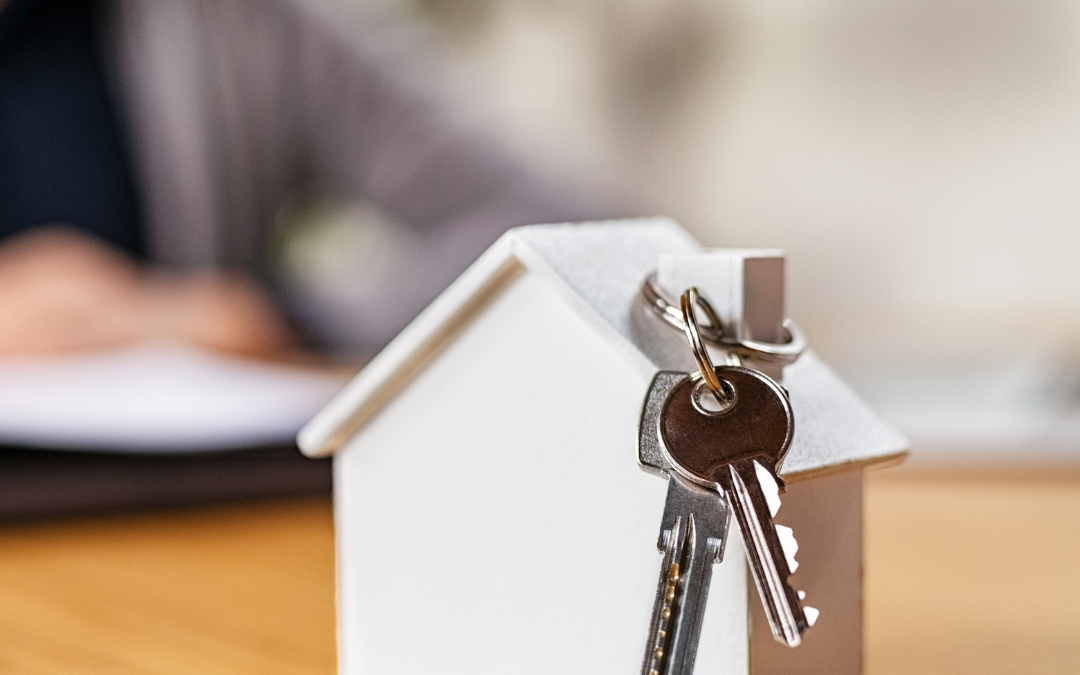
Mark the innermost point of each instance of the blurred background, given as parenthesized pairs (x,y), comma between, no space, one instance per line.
(917,160)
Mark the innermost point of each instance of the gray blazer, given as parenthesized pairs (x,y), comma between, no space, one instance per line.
(235,106)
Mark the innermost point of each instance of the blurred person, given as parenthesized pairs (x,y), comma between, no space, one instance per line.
(147,148)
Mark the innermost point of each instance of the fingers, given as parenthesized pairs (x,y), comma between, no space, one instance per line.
(64,291)
(226,313)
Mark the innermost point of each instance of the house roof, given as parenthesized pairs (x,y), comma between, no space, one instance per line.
(599,268)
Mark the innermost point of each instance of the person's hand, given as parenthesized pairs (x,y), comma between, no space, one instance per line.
(228,313)
(62,291)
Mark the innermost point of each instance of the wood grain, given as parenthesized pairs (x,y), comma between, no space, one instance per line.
(972,574)
(965,574)
(230,590)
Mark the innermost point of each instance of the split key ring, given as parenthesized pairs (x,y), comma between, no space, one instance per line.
(688,302)
(780,353)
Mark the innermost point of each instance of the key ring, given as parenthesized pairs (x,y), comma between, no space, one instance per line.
(780,353)
(690,300)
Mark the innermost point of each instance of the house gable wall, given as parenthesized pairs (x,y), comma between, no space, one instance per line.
(826,515)
(549,411)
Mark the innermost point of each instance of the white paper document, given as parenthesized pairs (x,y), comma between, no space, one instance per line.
(156,398)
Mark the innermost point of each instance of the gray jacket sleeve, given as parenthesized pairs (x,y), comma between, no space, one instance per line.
(237,106)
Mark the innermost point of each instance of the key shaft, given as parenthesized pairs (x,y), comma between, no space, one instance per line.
(768,561)
(692,535)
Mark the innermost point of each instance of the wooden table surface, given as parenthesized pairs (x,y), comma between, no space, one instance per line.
(965,574)
(973,574)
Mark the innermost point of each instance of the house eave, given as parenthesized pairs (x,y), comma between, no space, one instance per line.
(410,351)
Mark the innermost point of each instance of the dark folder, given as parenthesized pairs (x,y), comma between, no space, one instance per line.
(49,483)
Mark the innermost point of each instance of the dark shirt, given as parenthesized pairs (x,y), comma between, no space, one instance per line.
(63,157)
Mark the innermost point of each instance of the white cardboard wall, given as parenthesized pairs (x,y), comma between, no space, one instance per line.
(546,403)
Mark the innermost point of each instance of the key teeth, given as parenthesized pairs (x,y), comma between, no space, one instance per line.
(811,615)
(790,546)
(769,487)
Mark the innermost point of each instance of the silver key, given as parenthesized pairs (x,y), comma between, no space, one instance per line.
(736,450)
(692,539)
(692,535)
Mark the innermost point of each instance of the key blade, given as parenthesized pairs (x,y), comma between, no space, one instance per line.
(771,491)
(709,508)
(693,530)
(790,546)
(680,601)
(768,486)
(765,553)
(662,627)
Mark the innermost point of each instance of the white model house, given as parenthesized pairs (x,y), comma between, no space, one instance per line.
(491,514)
